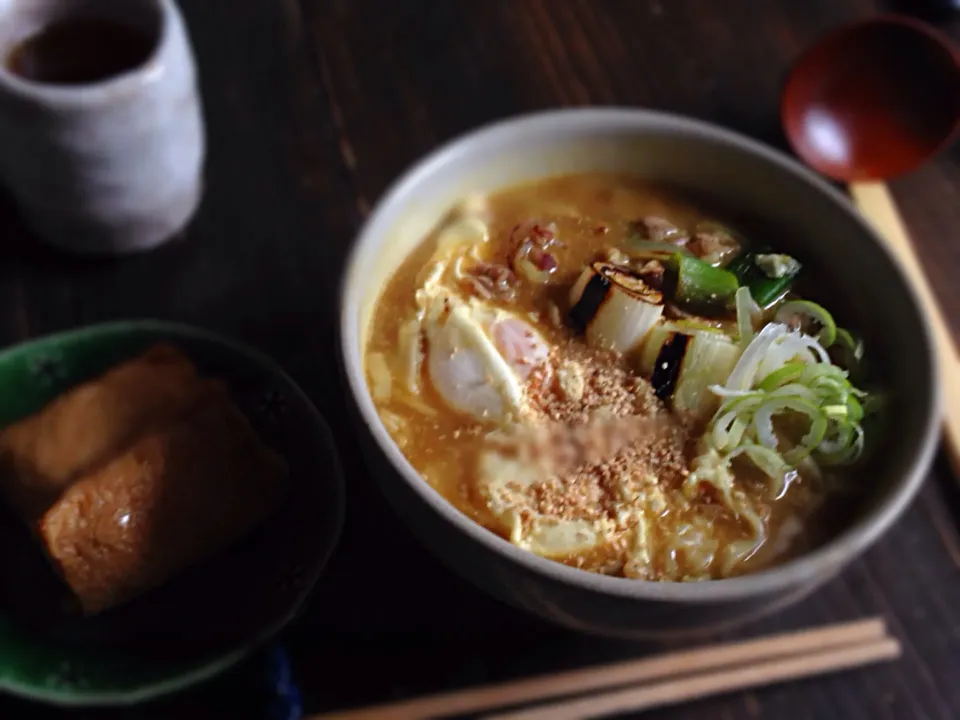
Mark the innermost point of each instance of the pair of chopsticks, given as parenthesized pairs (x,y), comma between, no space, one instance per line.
(667,679)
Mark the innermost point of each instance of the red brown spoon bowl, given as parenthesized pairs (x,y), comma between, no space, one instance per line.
(873,99)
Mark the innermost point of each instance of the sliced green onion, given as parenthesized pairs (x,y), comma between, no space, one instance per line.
(771,465)
(855,409)
(847,349)
(745,373)
(787,374)
(795,390)
(810,314)
(824,373)
(763,420)
(744,303)
(842,445)
(836,412)
(745,402)
(723,431)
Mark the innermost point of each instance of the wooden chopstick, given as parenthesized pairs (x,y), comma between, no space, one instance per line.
(877,205)
(715,682)
(545,687)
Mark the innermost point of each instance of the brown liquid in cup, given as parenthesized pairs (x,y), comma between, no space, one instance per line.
(80,51)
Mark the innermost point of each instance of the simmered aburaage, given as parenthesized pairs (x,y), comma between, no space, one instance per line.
(602,375)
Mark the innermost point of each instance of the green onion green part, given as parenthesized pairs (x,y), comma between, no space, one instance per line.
(847,350)
(702,286)
(813,319)
(764,289)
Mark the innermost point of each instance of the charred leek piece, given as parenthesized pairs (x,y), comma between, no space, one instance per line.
(655,341)
(682,365)
(701,286)
(666,369)
(661,333)
(710,358)
(613,307)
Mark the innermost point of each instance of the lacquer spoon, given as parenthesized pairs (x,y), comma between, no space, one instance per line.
(873,100)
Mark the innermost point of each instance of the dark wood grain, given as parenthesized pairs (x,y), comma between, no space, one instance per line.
(313,108)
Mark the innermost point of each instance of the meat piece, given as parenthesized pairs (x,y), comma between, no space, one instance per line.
(659,229)
(532,259)
(536,233)
(42,454)
(714,245)
(652,273)
(542,260)
(175,498)
(490,280)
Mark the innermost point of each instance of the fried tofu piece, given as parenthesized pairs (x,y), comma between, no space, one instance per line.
(173,499)
(89,424)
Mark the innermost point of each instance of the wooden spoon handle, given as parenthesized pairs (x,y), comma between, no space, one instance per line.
(877,205)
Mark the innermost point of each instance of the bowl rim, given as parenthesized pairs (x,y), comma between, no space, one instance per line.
(844,547)
(207,667)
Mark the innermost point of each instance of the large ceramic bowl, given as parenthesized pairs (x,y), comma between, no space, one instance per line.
(811,218)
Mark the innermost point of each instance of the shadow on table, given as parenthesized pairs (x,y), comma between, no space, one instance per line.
(19,246)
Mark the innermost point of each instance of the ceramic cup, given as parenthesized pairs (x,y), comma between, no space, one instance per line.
(112,166)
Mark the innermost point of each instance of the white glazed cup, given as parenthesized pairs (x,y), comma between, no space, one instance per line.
(109,167)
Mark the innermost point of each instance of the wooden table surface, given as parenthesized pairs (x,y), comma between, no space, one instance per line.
(313,107)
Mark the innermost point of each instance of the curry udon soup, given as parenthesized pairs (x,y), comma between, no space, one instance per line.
(605,376)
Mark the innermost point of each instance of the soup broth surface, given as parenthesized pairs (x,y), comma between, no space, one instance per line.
(491,370)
